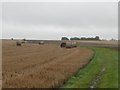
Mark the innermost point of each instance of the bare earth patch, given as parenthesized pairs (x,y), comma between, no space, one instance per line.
(40,66)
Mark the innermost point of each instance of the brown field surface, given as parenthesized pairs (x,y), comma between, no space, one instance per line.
(111,42)
(0,64)
(102,43)
(40,66)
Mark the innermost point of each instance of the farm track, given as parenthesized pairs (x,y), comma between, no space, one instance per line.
(40,66)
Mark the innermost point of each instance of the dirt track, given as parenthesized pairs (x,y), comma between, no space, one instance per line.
(40,66)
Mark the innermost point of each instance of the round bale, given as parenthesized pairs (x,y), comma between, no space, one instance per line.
(69,45)
(63,44)
(41,43)
(74,44)
(18,43)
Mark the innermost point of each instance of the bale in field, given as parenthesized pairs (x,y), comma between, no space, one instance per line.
(71,44)
(63,44)
(74,44)
(68,44)
(41,43)
(18,43)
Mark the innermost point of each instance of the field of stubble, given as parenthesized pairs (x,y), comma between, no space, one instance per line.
(0,64)
(40,66)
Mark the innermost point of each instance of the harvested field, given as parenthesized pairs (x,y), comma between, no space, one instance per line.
(40,66)
(110,44)
(101,43)
(0,64)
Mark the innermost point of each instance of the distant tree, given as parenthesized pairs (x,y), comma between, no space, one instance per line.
(90,38)
(64,38)
(83,38)
(11,38)
(24,39)
(97,38)
(75,38)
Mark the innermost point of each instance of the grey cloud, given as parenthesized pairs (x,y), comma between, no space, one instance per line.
(78,14)
(63,18)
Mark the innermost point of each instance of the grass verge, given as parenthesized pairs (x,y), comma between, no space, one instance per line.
(105,59)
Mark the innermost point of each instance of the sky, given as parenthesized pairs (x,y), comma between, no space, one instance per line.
(53,20)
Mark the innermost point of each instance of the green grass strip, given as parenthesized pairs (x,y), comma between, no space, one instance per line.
(104,58)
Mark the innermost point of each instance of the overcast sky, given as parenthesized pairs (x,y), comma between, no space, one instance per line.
(50,20)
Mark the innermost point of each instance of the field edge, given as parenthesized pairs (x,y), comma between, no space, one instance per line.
(78,80)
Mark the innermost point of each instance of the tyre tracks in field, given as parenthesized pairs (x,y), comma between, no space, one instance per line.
(51,60)
(96,80)
(55,69)
(29,70)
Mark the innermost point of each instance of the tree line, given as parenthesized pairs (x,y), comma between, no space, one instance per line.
(82,38)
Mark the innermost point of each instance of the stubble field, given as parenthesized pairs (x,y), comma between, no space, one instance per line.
(40,66)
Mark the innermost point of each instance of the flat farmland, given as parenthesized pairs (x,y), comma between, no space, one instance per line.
(0,64)
(40,66)
(102,43)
